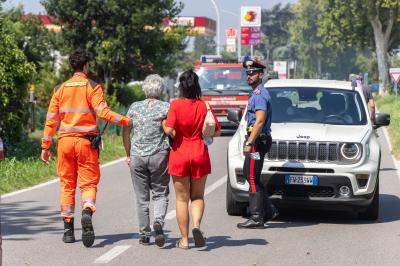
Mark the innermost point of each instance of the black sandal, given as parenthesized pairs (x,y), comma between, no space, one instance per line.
(178,244)
(199,239)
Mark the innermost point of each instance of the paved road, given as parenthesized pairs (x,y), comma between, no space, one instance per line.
(32,229)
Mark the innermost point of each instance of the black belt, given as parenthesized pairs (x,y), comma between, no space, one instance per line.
(250,129)
(95,140)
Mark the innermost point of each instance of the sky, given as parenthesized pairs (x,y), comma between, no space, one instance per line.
(229,10)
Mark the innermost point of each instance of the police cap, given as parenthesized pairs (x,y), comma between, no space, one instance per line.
(252,66)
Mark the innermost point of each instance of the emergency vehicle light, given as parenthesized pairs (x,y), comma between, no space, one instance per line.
(210,58)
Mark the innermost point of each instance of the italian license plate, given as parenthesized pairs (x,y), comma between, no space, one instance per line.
(222,119)
(308,180)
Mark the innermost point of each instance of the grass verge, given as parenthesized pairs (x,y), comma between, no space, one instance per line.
(25,168)
(391,104)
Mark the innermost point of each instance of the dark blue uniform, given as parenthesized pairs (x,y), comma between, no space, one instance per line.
(260,207)
(259,100)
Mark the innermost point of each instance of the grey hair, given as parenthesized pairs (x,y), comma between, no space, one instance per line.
(153,86)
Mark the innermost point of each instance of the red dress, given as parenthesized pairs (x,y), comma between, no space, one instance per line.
(189,155)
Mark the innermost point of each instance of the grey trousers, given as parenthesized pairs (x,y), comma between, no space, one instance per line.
(150,174)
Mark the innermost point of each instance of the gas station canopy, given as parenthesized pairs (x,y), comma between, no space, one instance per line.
(200,25)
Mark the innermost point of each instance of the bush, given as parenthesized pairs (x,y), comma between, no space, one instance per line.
(15,75)
(23,168)
(391,104)
(126,94)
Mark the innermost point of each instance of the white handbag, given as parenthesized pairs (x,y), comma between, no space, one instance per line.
(209,123)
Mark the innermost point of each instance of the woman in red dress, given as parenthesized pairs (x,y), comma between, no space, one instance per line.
(189,162)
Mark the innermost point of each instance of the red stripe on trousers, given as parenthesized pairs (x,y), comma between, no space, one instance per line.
(252,166)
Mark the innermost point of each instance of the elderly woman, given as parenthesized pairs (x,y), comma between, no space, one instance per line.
(147,156)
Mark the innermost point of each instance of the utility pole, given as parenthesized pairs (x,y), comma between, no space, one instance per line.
(218,26)
(32,103)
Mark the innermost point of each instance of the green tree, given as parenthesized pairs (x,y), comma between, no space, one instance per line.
(38,45)
(125,37)
(31,36)
(304,31)
(204,45)
(315,58)
(274,26)
(371,23)
(15,74)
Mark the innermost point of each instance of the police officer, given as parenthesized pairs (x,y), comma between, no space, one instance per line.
(257,144)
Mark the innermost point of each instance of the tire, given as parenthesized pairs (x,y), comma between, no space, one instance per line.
(233,207)
(372,212)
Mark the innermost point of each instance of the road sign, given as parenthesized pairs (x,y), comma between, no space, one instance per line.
(231,33)
(281,68)
(231,45)
(250,16)
(250,35)
(395,74)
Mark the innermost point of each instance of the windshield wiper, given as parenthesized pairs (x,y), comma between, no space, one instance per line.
(231,88)
(215,89)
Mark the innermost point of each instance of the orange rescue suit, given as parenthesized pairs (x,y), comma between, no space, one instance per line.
(75,104)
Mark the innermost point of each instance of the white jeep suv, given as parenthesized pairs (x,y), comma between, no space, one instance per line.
(324,153)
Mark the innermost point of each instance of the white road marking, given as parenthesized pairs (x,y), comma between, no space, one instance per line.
(107,257)
(395,162)
(111,254)
(29,189)
(171,215)
(53,181)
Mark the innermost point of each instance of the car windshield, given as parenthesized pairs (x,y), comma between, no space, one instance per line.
(226,78)
(317,105)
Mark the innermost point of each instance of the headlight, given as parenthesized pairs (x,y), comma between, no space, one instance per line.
(350,152)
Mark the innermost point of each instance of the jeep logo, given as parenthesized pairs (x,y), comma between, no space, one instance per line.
(302,137)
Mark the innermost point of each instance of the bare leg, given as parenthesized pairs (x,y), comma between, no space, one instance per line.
(197,187)
(182,186)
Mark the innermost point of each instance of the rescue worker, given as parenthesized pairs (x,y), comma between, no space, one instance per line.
(75,104)
(257,144)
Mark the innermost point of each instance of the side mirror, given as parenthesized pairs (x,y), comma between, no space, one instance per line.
(235,115)
(381,119)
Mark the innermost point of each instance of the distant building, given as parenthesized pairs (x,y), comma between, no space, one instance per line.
(200,25)
(49,22)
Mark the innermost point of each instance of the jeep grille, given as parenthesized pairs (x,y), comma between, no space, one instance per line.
(304,151)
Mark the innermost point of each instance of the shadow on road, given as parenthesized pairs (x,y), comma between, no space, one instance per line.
(387,169)
(112,239)
(389,212)
(214,242)
(28,218)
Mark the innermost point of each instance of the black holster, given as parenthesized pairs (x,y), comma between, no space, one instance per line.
(95,140)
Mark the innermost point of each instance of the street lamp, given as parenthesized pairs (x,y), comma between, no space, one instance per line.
(239,49)
(218,22)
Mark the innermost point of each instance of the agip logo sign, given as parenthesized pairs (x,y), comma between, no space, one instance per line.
(250,16)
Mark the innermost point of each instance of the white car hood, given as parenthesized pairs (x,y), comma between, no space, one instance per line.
(318,132)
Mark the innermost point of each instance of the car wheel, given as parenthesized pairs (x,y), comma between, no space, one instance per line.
(233,207)
(372,212)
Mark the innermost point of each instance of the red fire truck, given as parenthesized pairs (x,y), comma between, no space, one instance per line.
(224,86)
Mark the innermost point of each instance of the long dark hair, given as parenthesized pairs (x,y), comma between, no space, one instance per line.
(189,86)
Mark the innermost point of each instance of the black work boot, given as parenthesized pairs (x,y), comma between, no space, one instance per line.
(256,211)
(87,228)
(69,236)
(159,238)
(270,213)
